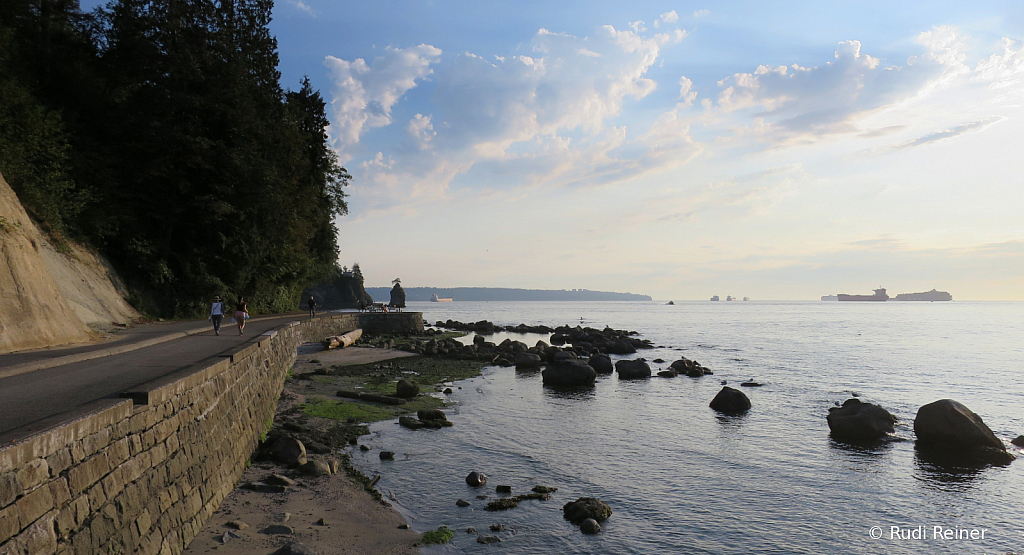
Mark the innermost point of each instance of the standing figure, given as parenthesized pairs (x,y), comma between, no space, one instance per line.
(216,314)
(312,307)
(241,313)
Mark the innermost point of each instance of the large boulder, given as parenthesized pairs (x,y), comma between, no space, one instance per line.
(860,421)
(569,374)
(476,479)
(586,507)
(526,360)
(730,401)
(948,430)
(406,389)
(289,451)
(397,296)
(633,369)
(601,363)
(621,347)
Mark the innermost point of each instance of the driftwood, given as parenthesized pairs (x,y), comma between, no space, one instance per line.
(371,397)
(342,341)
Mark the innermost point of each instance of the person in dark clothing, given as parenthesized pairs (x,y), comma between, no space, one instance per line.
(312,306)
(241,313)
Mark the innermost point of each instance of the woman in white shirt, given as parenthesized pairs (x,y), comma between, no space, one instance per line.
(216,314)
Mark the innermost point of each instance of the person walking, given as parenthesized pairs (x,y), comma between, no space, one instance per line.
(216,314)
(241,313)
(312,307)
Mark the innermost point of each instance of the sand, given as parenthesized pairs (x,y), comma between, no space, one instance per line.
(356,523)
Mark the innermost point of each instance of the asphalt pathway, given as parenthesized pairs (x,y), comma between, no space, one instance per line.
(29,397)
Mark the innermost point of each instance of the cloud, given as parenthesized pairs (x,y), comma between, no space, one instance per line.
(303,6)
(667,17)
(697,14)
(363,94)
(943,134)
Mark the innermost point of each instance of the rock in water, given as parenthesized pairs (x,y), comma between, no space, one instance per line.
(476,479)
(569,374)
(730,401)
(860,421)
(590,526)
(526,360)
(406,389)
(1018,441)
(488,539)
(387,456)
(586,507)
(462,503)
(633,369)
(948,428)
(601,363)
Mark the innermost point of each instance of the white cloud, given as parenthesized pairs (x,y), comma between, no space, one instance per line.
(1004,69)
(421,130)
(364,94)
(944,134)
(685,93)
(303,6)
(697,14)
(667,17)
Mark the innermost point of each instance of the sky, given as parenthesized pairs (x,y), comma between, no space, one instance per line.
(776,150)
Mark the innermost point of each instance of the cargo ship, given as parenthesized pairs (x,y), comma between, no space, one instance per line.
(878,296)
(932,295)
(715,298)
(830,297)
(435,299)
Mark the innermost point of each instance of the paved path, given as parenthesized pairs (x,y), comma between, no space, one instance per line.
(27,397)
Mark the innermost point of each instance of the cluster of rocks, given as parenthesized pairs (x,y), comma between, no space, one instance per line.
(584,340)
(565,369)
(487,328)
(290,452)
(946,430)
(425,418)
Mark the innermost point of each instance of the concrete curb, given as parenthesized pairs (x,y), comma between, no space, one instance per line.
(80,357)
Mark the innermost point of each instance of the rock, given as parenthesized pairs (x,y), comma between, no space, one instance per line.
(476,479)
(601,363)
(411,423)
(335,465)
(403,526)
(462,503)
(621,347)
(730,401)
(488,539)
(569,374)
(447,391)
(590,526)
(315,468)
(471,530)
(750,383)
(264,488)
(1018,441)
(387,455)
(318,448)
(405,389)
(295,548)
(503,504)
(497,527)
(277,529)
(526,360)
(633,369)
(544,489)
(427,415)
(289,451)
(586,507)
(860,421)
(364,447)
(278,480)
(228,536)
(563,356)
(949,422)
(668,373)
(322,522)
(236,524)
(503,489)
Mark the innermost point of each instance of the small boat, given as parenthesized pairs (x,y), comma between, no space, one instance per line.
(746,298)
(435,299)
(671,303)
(715,298)
(730,298)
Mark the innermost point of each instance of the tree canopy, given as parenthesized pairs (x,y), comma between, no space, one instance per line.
(158,131)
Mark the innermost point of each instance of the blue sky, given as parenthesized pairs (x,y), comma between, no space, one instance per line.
(777,150)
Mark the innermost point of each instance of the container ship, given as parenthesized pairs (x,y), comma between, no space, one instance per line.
(435,299)
(878,296)
(932,295)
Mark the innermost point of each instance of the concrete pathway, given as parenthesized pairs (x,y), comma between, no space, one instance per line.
(37,385)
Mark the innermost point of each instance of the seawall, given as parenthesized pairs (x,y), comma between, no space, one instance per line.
(143,474)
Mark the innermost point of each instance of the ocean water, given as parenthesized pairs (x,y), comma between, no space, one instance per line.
(681,478)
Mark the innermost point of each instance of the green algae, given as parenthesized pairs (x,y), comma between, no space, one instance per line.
(442,535)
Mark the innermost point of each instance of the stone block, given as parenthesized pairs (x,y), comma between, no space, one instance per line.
(35,504)
(60,491)
(88,472)
(96,497)
(33,473)
(95,442)
(59,461)
(118,452)
(82,542)
(40,537)
(10,522)
(10,489)
(113,483)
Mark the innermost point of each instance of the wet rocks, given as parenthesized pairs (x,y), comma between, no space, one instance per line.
(503,489)
(856,420)
(691,368)
(316,468)
(476,479)
(294,549)
(462,503)
(426,418)
(730,401)
(524,360)
(586,507)
(544,489)
(406,389)
(569,374)
(668,373)
(601,363)
(503,504)
(948,428)
(488,539)
(387,455)
(590,526)
(1018,441)
(633,369)
(288,451)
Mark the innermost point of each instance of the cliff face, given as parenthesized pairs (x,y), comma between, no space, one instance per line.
(341,292)
(48,297)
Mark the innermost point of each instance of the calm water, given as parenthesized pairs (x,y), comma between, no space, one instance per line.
(682,479)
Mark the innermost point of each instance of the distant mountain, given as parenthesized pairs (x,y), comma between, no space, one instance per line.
(503,294)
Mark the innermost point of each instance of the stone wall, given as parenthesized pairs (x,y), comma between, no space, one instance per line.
(143,474)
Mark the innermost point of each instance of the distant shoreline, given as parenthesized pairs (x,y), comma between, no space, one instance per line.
(382,294)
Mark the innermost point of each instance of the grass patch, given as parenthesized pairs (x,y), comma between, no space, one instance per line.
(361,411)
(442,535)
